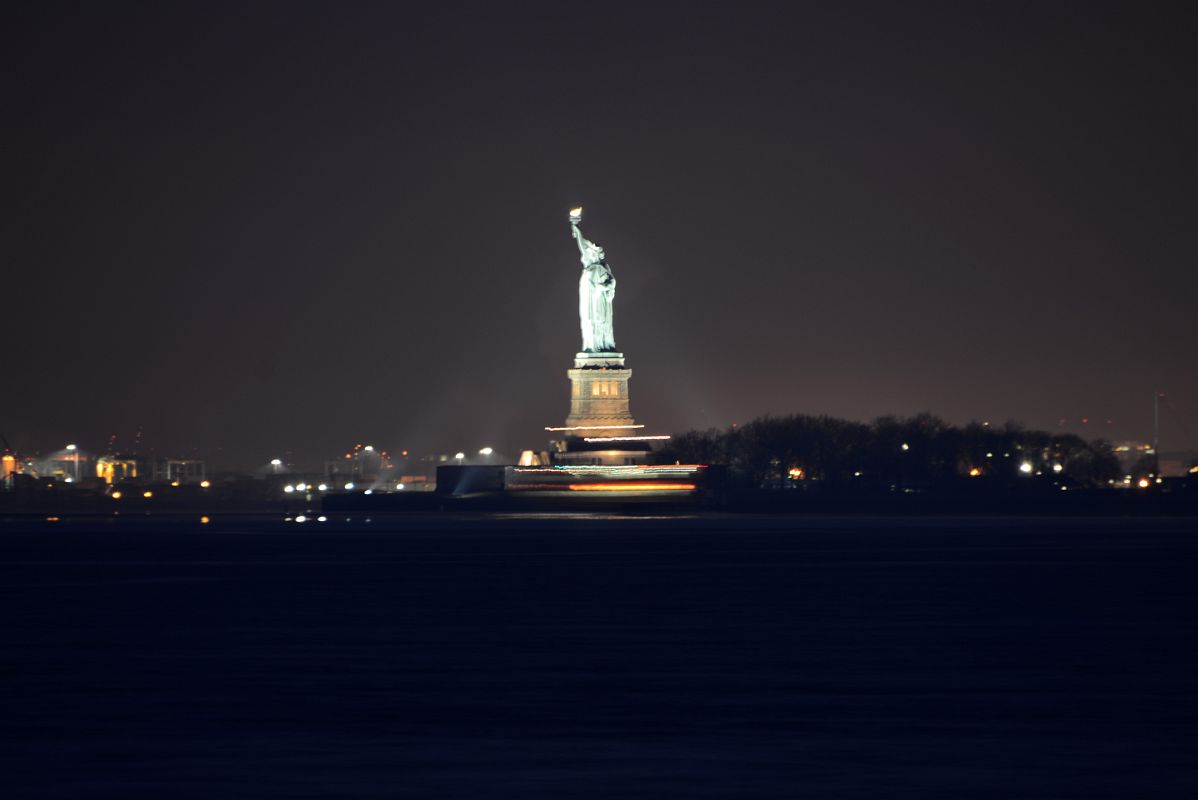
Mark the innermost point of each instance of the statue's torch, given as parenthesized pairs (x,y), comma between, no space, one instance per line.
(576,215)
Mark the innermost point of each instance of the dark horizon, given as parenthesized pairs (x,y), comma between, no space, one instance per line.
(288,227)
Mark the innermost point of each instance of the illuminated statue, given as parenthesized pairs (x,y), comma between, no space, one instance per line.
(596,291)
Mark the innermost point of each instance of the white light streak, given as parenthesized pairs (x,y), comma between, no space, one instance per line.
(597,428)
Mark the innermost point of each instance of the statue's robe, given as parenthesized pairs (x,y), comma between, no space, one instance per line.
(596,290)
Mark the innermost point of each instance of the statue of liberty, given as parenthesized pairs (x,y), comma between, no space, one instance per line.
(596,291)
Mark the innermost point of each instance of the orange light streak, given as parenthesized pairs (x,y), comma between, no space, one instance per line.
(632,486)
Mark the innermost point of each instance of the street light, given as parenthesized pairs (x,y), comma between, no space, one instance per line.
(459,457)
(275,463)
(486,451)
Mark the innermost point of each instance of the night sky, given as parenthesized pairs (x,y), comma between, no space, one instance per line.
(261,228)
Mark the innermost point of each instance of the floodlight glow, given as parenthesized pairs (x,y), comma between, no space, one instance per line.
(1025,467)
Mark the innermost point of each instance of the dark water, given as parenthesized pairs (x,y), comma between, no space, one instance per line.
(606,658)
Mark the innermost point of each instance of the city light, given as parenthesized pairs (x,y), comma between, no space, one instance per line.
(486,451)
(974,472)
(275,462)
(1026,468)
(204,520)
(301,518)
(72,447)
(324,487)
(322,519)
(1144,483)
(369,448)
(205,484)
(623,438)
(399,486)
(116,495)
(368,491)
(147,494)
(288,488)
(349,486)
(1057,468)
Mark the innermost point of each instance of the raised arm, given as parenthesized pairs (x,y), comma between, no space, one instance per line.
(578,237)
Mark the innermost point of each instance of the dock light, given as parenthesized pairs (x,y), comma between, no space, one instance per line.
(205,484)
(906,446)
(1057,468)
(1026,468)
(1144,483)
(324,487)
(147,494)
(486,451)
(349,486)
(116,495)
(288,488)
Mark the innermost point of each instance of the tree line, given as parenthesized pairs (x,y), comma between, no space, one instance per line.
(914,451)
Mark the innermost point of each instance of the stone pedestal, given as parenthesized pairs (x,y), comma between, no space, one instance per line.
(599,395)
